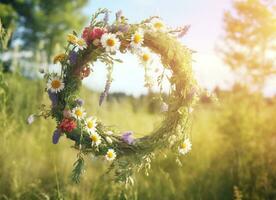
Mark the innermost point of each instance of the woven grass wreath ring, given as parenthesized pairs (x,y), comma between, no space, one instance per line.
(99,42)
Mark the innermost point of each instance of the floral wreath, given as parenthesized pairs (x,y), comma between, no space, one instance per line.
(99,42)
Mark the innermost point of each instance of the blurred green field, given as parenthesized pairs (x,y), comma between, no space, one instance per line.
(233,154)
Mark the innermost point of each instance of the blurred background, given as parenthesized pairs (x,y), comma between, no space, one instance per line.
(234,140)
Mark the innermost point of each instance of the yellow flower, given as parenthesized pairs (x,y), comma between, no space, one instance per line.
(59,58)
(72,38)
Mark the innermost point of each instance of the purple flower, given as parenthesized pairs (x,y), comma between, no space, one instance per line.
(106,17)
(119,15)
(31,119)
(53,97)
(127,137)
(123,28)
(80,102)
(105,92)
(73,56)
(111,28)
(56,136)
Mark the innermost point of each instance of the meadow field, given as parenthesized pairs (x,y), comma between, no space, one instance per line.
(233,155)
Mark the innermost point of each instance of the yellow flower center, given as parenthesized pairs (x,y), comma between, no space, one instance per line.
(90,124)
(94,138)
(78,113)
(158,25)
(145,57)
(183,145)
(110,154)
(137,38)
(110,42)
(55,84)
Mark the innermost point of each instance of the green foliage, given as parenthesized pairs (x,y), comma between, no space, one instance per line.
(249,41)
(44,21)
(228,139)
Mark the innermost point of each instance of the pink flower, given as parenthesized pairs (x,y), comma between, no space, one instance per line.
(67,125)
(89,34)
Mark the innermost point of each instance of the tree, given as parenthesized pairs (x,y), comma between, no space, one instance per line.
(44,21)
(249,42)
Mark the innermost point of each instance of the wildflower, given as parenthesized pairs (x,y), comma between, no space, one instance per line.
(137,39)
(72,38)
(67,125)
(90,34)
(106,17)
(31,119)
(56,136)
(96,139)
(53,97)
(67,113)
(145,56)
(110,155)
(123,28)
(59,58)
(105,92)
(119,15)
(110,42)
(73,56)
(78,113)
(185,147)
(127,137)
(91,124)
(157,25)
(96,42)
(81,44)
(55,84)
(79,101)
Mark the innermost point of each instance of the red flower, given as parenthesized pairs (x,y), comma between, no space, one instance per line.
(89,34)
(67,125)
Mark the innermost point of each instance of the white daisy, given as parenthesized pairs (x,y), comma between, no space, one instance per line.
(78,113)
(158,25)
(137,39)
(81,44)
(110,42)
(55,84)
(110,155)
(91,124)
(96,139)
(145,56)
(185,147)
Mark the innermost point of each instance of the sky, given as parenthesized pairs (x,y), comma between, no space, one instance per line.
(206,20)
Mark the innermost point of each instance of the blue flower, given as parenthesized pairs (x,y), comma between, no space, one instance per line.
(56,136)
(127,137)
(73,56)
(123,28)
(79,101)
(53,97)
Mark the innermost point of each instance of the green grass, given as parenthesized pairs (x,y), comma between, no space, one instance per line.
(233,145)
